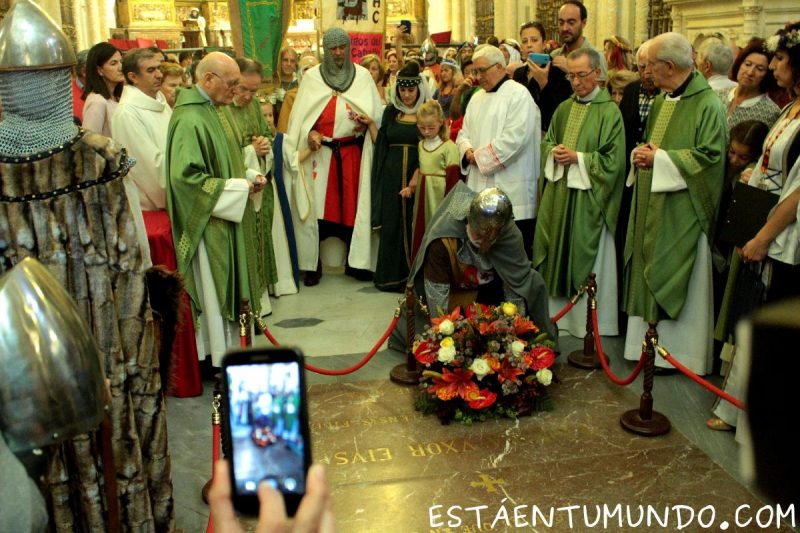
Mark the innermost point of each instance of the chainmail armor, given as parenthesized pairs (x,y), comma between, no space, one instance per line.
(459,205)
(37,111)
(438,296)
(337,78)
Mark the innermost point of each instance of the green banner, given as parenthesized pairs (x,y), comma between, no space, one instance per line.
(262,31)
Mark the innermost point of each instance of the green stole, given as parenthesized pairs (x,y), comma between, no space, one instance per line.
(199,161)
(664,228)
(245,123)
(570,221)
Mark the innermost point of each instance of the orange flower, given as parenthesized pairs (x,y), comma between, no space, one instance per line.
(455,315)
(487,328)
(454,383)
(508,372)
(494,364)
(523,325)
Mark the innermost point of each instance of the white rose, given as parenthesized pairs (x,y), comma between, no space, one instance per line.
(446,327)
(480,367)
(545,376)
(517,347)
(446,354)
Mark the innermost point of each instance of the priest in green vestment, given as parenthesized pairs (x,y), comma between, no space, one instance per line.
(210,205)
(677,177)
(254,137)
(583,161)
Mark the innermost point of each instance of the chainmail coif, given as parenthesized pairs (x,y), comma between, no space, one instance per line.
(37,111)
(335,77)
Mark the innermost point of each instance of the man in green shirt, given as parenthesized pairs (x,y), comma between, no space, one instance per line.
(210,205)
(583,161)
(677,177)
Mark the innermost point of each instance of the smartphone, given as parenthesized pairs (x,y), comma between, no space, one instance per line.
(406,25)
(539,59)
(266,425)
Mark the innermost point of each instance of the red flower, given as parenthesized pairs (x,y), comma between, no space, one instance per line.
(476,311)
(487,398)
(540,357)
(426,352)
(455,383)
(508,372)
(469,279)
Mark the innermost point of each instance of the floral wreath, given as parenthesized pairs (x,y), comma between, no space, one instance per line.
(786,40)
(489,362)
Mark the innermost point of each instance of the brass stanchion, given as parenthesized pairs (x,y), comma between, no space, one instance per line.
(216,420)
(408,373)
(245,331)
(644,421)
(587,358)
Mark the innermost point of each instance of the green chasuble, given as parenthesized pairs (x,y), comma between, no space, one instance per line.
(664,227)
(199,161)
(247,122)
(570,221)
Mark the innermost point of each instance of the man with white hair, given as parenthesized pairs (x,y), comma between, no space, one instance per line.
(677,178)
(714,61)
(499,142)
(209,202)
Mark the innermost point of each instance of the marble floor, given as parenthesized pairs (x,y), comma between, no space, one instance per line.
(585,452)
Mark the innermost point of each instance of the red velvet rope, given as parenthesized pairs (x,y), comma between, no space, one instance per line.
(215,439)
(697,379)
(604,362)
(343,371)
(563,312)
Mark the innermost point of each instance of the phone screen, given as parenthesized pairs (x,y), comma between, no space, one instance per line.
(267,424)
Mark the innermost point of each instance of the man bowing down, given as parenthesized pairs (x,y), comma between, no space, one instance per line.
(330,158)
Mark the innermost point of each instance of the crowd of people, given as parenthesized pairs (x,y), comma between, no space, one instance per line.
(498,171)
(617,160)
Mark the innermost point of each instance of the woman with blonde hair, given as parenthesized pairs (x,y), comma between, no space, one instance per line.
(617,81)
(438,170)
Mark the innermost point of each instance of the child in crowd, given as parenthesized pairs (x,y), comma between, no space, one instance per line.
(747,140)
(269,113)
(438,168)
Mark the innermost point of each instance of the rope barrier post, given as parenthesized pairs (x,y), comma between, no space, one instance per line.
(245,331)
(216,419)
(644,421)
(587,358)
(408,373)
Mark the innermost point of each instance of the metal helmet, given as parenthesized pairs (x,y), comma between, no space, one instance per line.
(428,52)
(51,379)
(31,40)
(35,83)
(489,211)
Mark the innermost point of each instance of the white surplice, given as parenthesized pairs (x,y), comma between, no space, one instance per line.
(504,130)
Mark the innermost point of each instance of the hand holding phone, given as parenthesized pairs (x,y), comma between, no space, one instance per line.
(266,425)
(314,514)
(539,59)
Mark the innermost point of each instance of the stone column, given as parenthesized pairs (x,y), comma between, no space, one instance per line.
(608,13)
(438,15)
(457,21)
(640,30)
(677,20)
(591,31)
(68,22)
(752,24)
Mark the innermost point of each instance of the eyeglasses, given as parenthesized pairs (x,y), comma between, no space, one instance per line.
(482,70)
(579,75)
(230,84)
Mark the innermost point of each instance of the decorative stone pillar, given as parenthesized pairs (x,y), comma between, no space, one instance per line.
(640,29)
(608,14)
(438,15)
(752,21)
(677,20)
(68,23)
(591,31)
(457,21)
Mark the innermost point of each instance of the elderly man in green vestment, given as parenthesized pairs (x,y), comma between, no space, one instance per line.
(209,202)
(677,177)
(583,156)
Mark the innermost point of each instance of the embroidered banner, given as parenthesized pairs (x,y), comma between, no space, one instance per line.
(364,20)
